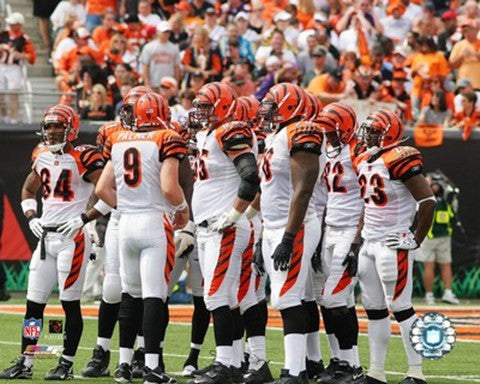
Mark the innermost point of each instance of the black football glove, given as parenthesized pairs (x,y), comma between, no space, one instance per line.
(317,258)
(283,253)
(351,260)
(258,265)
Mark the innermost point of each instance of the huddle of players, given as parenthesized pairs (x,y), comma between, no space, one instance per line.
(281,188)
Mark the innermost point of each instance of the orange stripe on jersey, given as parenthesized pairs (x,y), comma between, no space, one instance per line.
(402,272)
(105,131)
(234,136)
(304,136)
(170,257)
(246,270)
(172,145)
(77,260)
(39,149)
(402,168)
(343,283)
(295,262)
(226,249)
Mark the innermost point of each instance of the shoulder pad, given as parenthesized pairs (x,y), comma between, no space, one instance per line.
(304,136)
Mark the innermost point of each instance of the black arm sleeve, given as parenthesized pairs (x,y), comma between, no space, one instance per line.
(246,166)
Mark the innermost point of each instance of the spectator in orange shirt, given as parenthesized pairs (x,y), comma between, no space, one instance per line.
(105,31)
(77,54)
(137,34)
(95,10)
(15,49)
(469,118)
(329,87)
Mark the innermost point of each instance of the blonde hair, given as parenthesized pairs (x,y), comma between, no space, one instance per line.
(100,88)
(205,35)
(118,37)
(176,18)
(306,6)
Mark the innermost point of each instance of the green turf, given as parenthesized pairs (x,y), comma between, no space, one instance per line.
(463,360)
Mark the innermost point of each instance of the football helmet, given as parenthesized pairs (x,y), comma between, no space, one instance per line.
(382,129)
(129,100)
(59,115)
(339,123)
(312,107)
(250,109)
(282,103)
(151,111)
(214,103)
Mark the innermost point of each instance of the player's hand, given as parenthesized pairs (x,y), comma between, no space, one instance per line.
(351,260)
(258,264)
(71,227)
(405,240)
(317,258)
(181,218)
(184,240)
(97,253)
(283,253)
(36,227)
(221,223)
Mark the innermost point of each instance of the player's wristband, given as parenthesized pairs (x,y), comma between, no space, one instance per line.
(102,207)
(85,218)
(29,205)
(234,215)
(180,207)
(251,212)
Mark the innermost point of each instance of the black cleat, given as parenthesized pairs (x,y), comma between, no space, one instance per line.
(138,363)
(286,378)
(123,373)
(329,372)
(154,376)
(343,374)
(359,376)
(98,364)
(371,380)
(314,368)
(202,371)
(237,375)
(259,376)
(18,371)
(412,380)
(218,374)
(63,371)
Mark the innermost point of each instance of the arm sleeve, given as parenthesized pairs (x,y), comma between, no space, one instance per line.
(92,160)
(306,138)
(172,145)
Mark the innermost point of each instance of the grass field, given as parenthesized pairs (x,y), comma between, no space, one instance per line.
(462,365)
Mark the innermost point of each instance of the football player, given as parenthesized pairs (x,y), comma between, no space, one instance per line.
(141,179)
(112,289)
(291,231)
(66,175)
(344,207)
(392,187)
(226,183)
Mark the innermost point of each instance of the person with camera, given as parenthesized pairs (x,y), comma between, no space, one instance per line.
(437,246)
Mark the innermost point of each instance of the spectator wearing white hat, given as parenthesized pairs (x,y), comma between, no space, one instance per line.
(65,8)
(242,20)
(15,49)
(160,58)
(215,30)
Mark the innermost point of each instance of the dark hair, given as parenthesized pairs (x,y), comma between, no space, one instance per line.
(471,96)
(95,72)
(276,30)
(442,100)
(428,41)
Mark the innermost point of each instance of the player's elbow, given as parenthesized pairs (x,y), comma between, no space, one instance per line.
(172,194)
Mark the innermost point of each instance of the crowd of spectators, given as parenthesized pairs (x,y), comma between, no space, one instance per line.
(423,56)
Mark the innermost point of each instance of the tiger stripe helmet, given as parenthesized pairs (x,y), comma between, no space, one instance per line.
(282,103)
(250,108)
(382,128)
(151,111)
(64,115)
(129,100)
(215,102)
(313,107)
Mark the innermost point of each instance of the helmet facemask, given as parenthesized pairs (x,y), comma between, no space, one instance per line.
(202,114)
(334,144)
(52,138)
(126,116)
(267,115)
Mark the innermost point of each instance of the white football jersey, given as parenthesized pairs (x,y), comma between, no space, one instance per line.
(137,160)
(216,178)
(65,186)
(276,184)
(389,205)
(344,202)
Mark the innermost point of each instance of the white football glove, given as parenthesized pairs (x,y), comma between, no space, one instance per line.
(36,227)
(225,220)
(405,240)
(184,240)
(71,227)
(97,253)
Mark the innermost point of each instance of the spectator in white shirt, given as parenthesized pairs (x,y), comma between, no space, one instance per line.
(464,86)
(216,31)
(276,48)
(145,13)
(242,20)
(396,26)
(64,9)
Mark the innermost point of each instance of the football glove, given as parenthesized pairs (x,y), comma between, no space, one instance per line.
(405,240)
(36,227)
(283,253)
(258,264)
(351,260)
(71,227)
(225,220)
(97,253)
(317,258)
(184,240)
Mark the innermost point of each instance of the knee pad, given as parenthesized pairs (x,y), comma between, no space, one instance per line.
(399,305)
(294,320)
(112,289)
(377,314)
(133,290)
(37,296)
(218,300)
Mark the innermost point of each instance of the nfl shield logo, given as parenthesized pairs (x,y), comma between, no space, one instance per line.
(433,336)
(32,328)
